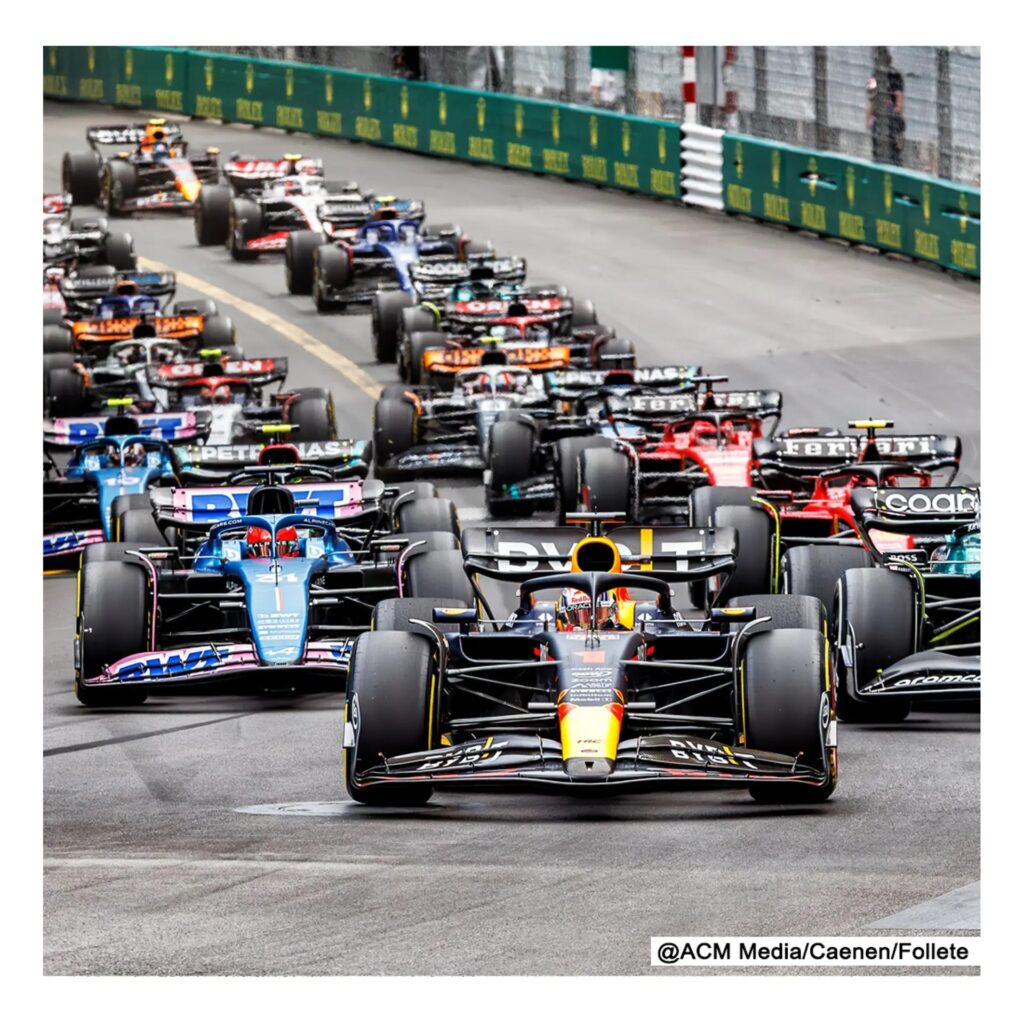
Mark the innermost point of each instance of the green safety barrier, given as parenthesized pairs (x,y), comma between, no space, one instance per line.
(633,153)
(864,203)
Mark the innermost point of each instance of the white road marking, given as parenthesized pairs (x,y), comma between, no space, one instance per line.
(957,910)
(314,346)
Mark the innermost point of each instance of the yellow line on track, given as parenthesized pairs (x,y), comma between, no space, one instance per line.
(314,346)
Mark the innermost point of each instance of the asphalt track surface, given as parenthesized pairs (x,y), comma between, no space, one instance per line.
(150,868)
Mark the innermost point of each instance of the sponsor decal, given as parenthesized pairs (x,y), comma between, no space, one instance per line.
(160,665)
(463,757)
(923,681)
(710,755)
(927,501)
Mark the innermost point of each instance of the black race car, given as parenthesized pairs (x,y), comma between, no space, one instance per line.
(908,627)
(155,173)
(595,680)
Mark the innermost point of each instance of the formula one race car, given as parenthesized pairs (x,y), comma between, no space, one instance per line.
(158,174)
(378,257)
(430,285)
(595,679)
(256,221)
(478,303)
(797,526)
(909,626)
(270,600)
(70,242)
(505,420)
(110,458)
(432,357)
(232,393)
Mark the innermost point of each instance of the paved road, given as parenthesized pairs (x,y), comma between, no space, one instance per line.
(150,867)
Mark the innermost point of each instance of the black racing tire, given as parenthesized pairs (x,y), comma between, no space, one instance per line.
(416,319)
(878,605)
(392,692)
(332,268)
(64,392)
(386,323)
(566,471)
(218,332)
(394,430)
(787,611)
(80,175)
(119,250)
(195,307)
(606,482)
(118,182)
(753,573)
(703,502)
(55,360)
(57,338)
(313,413)
(622,349)
(428,515)
(245,224)
(52,317)
(513,448)
(137,526)
(583,313)
(299,248)
(109,551)
(212,214)
(439,574)
(412,368)
(785,707)
(112,624)
(397,613)
(815,569)
(394,390)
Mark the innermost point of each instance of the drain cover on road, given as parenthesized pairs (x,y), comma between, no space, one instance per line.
(312,808)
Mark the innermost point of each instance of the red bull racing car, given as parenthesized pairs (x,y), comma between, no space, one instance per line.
(595,681)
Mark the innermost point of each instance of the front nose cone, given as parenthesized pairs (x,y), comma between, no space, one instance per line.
(589,769)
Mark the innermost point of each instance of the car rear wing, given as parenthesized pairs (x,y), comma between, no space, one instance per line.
(198,508)
(70,431)
(811,455)
(451,272)
(84,286)
(521,553)
(761,404)
(447,361)
(212,461)
(127,134)
(344,211)
(573,381)
(180,375)
(249,172)
(915,510)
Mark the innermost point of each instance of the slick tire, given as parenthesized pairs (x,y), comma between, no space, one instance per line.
(245,224)
(878,606)
(785,706)
(64,393)
(419,343)
(57,339)
(117,185)
(614,354)
(386,323)
(313,413)
(394,431)
(112,625)
(299,248)
(392,692)
(566,471)
(80,175)
(119,250)
(212,214)
(583,313)
(332,270)
(398,612)
(437,575)
(428,515)
(753,573)
(606,482)
(512,457)
(815,569)
(218,332)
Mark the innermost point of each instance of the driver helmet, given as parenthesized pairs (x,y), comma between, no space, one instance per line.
(133,455)
(574,610)
(160,149)
(219,395)
(287,542)
(257,542)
